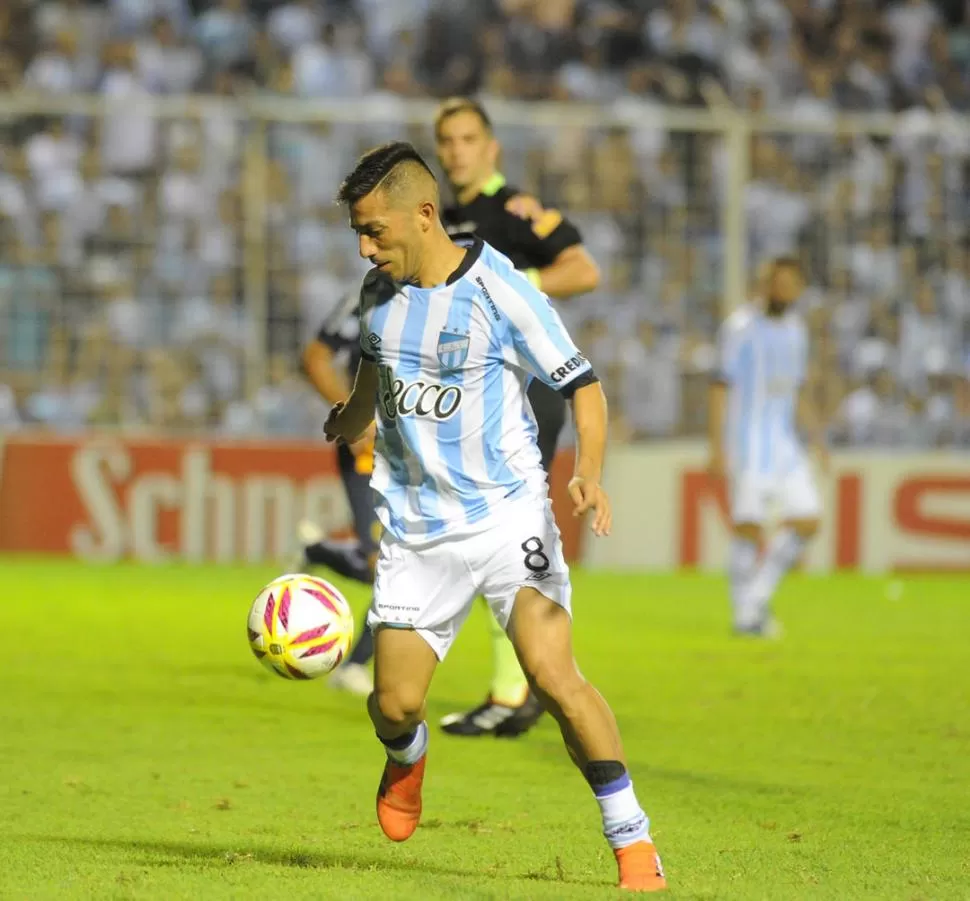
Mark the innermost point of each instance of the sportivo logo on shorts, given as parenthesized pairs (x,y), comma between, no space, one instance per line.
(418,398)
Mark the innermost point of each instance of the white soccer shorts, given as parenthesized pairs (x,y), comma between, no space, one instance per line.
(431,588)
(789,495)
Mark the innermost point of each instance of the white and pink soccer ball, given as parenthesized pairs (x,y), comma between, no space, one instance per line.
(300,627)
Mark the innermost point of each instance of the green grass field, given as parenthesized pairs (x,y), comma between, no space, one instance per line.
(145,754)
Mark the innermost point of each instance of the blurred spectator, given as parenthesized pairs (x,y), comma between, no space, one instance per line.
(291,24)
(56,68)
(139,249)
(226,32)
(167,64)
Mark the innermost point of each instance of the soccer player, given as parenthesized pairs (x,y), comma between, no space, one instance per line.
(331,375)
(754,403)
(450,338)
(548,249)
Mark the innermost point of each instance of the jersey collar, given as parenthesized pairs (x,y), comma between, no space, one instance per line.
(471,256)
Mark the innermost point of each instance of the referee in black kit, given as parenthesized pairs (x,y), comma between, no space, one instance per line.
(549,250)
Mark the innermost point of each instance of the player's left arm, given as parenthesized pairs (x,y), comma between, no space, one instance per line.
(812,423)
(809,412)
(585,488)
(542,346)
(564,266)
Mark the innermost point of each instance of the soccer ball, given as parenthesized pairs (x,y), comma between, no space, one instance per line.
(300,626)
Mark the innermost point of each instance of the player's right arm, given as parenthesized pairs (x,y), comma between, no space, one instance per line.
(717,396)
(541,346)
(716,407)
(348,421)
(327,376)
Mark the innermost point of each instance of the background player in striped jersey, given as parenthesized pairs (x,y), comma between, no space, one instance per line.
(330,362)
(754,404)
(549,250)
(450,339)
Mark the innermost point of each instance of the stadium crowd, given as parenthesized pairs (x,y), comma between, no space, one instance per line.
(127,265)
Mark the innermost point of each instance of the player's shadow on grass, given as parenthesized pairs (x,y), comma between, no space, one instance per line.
(163,854)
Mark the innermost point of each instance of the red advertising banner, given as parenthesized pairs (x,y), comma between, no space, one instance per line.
(881,512)
(108,498)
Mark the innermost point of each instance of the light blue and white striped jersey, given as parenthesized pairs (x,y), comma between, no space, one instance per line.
(456,436)
(763,360)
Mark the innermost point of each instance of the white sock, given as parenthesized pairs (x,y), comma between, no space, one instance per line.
(783,553)
(742,565)
(408,749)
(624,822)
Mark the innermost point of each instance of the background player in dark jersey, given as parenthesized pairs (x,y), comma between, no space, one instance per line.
(549,249)
(330,361)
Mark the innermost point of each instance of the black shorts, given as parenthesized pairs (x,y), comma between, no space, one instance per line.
(361,500)
(549,407)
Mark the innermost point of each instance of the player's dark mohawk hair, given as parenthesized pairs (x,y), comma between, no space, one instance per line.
(375,166)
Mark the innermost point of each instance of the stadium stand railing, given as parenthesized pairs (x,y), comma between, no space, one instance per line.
(165,259)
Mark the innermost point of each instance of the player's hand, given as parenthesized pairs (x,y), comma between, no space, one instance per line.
(342,426)
(716,466)
(589,495)
(365,443)
(525,206)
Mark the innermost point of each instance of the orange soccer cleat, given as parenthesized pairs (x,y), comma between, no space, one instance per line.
(640,868)
(399,799)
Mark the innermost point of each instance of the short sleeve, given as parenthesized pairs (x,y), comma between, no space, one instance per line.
(342,327)
(538,339)
(368,350)
(545,238)
(376,289)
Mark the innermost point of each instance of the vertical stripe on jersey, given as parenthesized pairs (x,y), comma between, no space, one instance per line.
(452,430)
(423,490)
(547,338)
(744,403)
(501,416)
(765,401)
(393,487)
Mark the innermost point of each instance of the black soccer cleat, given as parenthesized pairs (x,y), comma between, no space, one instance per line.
(490,718)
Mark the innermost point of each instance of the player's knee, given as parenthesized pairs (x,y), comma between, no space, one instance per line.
(747,531)
(805,528)
(400,705)
(558,684)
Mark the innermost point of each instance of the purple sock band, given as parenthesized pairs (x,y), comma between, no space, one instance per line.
(401,742)
(611,788)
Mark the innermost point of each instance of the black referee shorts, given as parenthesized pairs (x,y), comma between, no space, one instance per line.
(549,407)
(361,500)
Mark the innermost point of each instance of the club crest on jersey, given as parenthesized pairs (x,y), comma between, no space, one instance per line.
(452,349)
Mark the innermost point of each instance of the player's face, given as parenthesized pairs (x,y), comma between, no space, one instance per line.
(466,150)
(784,287)
(388,235)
